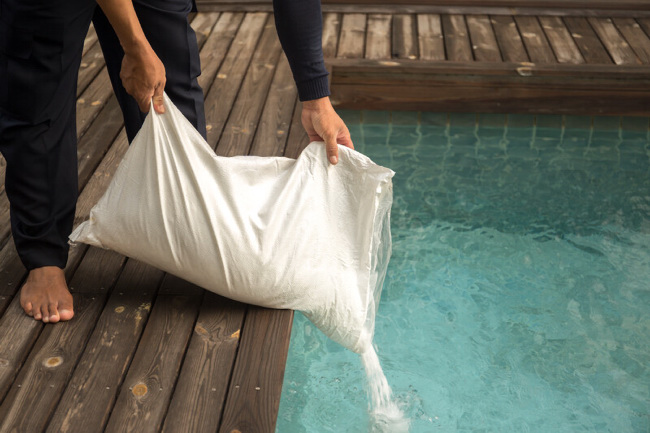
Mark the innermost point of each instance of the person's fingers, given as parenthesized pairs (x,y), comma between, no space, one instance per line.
(345,139)
(158,98)
(332,148)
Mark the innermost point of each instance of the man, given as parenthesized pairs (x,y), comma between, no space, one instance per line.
(149,47)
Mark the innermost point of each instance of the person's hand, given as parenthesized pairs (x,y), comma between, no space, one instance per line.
(143,77)
(323,124)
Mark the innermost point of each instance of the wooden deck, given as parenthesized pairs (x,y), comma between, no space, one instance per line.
(147,352)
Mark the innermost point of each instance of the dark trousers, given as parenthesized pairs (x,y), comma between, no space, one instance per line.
(41,42)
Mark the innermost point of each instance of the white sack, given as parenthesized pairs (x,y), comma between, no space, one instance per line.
(276,232)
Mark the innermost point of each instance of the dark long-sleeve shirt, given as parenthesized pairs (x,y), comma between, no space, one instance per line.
(300,26)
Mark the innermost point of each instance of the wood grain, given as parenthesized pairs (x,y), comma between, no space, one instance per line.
(203,381)
(566,50)
(404,37)
(242,123)
(144,396)
(616,45)
(509,39)
(273,126)
(353,35)
(430,39)
(537,46)
(587,41)
(224,89)
(331,28)
(457,42)
(378,36)
(252,403)
(90,394)
(635,37)
(483,39)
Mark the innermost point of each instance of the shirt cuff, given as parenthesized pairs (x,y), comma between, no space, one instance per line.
(313,89)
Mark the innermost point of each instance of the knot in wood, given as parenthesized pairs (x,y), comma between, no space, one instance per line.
(119,309)
(54,361)
(139,390)
(200,330)
(235,431)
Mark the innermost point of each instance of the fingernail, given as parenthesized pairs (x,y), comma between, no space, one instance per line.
(333,159)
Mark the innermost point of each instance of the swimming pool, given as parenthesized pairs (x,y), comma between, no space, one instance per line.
(518,294)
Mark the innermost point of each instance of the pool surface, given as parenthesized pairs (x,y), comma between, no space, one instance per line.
(517,298)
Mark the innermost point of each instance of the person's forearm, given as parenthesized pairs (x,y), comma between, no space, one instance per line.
(124,21)
(300,25)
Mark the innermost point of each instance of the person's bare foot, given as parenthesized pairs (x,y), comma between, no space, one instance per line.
(45,295)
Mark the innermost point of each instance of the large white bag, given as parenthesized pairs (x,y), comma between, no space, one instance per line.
(276,232)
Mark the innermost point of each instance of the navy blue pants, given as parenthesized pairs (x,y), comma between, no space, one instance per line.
(41,42)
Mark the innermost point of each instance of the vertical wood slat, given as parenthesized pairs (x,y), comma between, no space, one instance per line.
(535,40)
(273,127)
(202,385)
(353,35)
(587,41)
(90,393)
(258,373)
(566,50)
(378,36)
(484,42)
(404,37)
(457,43)
(635,36)
(331,29)
(145,394)
(240,128)
(230,75)
(616,45)
(509,39)
(430,39)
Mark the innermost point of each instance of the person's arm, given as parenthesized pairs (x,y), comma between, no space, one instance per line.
(299,24)
(142,74)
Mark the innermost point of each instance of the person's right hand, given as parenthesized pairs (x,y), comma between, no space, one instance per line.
(143,77)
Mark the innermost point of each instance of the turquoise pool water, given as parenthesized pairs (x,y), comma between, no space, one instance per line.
(518,294)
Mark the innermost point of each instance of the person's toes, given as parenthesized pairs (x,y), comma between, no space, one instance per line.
(54,314)
(66,313)
(28,309)
(45,311)
(37,313)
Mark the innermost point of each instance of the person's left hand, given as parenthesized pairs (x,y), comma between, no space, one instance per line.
(323,124)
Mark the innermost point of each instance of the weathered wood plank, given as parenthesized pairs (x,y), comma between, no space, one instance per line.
(91,63)
(430,39)
(353,35)
(242,123)
(378,40)
(331,28)
(635,36)
(404,40)
(252,403)
(145,394)
(203,382)
(538,48)
(273,127)
(566,50)
(91,392)
(509,39)
(230,75)
(432,86)
(616,45)
(483,39)
(457,42)
(587,41)
(216,46)
(41,380)
(92,101)
(645,24)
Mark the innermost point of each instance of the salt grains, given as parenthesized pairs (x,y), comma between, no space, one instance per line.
(385,415)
